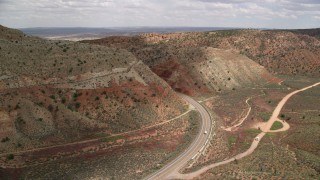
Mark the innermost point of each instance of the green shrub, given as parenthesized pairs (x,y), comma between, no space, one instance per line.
(20,120)
(276,125)
(5,139)
(77,105)
(232,140)
(10,157)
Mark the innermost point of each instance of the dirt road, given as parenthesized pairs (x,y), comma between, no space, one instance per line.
(255,142)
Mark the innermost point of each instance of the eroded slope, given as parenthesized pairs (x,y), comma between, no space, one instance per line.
(53,92)
(195,63)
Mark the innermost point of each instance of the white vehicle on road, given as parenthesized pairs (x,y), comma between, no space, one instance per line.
(205,132)
(257,138)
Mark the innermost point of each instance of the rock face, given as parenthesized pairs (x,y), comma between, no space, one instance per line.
(58,91)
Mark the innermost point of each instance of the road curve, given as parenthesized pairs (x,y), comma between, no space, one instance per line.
(276,112)
(266,128)
(171,170)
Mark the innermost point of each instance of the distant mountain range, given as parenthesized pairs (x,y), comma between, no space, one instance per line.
(81,33)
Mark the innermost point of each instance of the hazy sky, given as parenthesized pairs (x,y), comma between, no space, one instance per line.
(111,13)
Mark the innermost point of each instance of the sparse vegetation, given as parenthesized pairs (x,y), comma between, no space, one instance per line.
(55,97)
(265,115)
(231,140)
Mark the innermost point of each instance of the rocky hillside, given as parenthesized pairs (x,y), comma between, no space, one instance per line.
(196,63)
(203,70)
(54,92)
(281,52)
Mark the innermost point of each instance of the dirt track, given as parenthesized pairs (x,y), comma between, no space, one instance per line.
(266,128)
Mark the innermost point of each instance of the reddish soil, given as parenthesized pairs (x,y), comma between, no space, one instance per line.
(261,103)
(179,78)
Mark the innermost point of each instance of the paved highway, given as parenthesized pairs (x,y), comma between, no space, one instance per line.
(171,170)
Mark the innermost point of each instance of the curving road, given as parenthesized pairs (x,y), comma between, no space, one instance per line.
(277,110)
(266,128)
(171,170)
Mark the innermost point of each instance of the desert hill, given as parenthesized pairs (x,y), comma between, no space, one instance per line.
(54,92)
(71,110)
(189,61)
(206,69)
(196,63)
